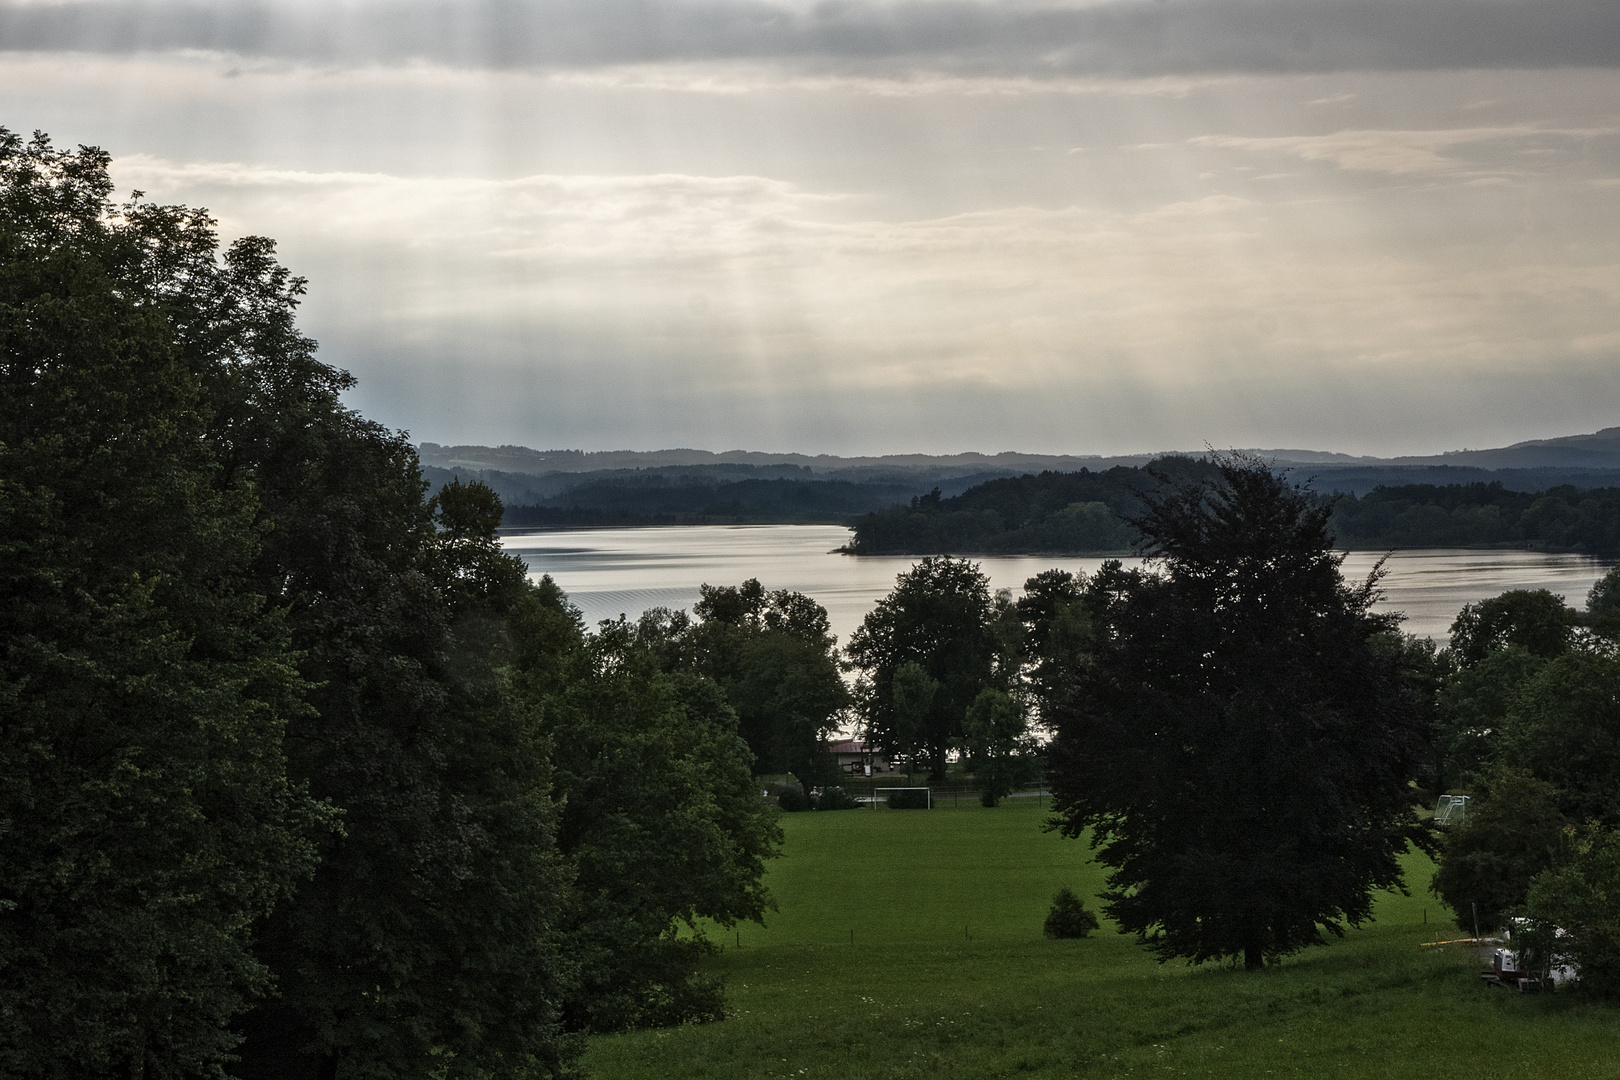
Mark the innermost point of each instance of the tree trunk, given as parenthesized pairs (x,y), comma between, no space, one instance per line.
(1254,958)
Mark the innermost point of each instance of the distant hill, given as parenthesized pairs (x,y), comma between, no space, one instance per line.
(1567,456)
(1599,450)
(544,488)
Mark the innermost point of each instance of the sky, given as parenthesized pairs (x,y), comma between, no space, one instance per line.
(863,226)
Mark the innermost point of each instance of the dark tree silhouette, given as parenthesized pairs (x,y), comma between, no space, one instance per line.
(938,618)
(1242,743)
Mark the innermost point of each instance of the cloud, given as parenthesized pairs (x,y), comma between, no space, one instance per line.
(1111,38)
(1400,153)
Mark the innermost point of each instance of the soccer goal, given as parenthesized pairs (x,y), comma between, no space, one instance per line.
(921,799)
(1451,810)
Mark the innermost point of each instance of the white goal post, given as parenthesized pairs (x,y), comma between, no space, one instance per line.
(878,792)
(1451,810)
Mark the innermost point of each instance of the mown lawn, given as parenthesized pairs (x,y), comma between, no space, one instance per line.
(948,976)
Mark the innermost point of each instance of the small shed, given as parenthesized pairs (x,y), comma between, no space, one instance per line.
(860,757)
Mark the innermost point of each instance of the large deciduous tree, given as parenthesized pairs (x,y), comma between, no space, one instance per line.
(231,611)
(939,618)
(1242,743)
(662,822)
(147,822)
(774,656)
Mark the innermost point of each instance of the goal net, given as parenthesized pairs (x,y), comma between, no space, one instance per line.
(904,798)
(1451,810)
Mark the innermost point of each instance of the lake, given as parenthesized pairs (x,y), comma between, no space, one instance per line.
(609,572)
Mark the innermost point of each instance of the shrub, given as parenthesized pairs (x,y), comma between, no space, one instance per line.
(836,798)
(908,799)
(1574,910)
(1069,917)
(793,800)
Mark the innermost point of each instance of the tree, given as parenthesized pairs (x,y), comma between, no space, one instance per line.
(912,694)
(995,736)
(938,617)
(1068,917)
(1242,744)
(1563,726)
(432,926)
(1574,910)
(663,825)
(1513,831)
(280,589)
(1536,620)
(147,822)
(1057,632)
(774,657)
(1603,604)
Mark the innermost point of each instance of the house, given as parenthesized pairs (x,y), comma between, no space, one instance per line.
(860,757)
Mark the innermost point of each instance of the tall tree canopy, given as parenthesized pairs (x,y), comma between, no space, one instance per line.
(938,618)
(238,639)
(146,817)
(774,656)
(1242,745)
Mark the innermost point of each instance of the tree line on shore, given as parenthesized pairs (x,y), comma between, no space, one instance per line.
(1092,512)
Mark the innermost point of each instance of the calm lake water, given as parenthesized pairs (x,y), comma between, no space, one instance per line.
(609,572)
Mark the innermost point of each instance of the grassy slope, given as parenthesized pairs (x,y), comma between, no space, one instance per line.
(949,976)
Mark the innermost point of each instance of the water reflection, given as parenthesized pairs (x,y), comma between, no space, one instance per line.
(609,572)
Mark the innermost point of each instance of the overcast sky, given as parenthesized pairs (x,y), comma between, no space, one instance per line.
(1374,226)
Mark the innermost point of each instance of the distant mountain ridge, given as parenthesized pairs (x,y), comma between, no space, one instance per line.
(1597,450)
(573,488)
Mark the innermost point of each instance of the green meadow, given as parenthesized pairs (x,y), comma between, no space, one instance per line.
(909,944)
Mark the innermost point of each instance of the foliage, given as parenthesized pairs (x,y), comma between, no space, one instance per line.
(1574,909)
(1481,515)
(430,927)
(1091,512)
(1068,917)
(836,798)
(1051,512)
(938,618)
(775,658)
(995,734)
(147,821)
(1242,746)
(1472,710)
(1513,831)
(663,824)
(1603,604)
(1563,725)
(1057,635)
(1535,620)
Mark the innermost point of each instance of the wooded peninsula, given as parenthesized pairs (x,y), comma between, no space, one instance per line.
(1090,512)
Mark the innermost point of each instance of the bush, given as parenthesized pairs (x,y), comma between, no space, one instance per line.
(793,800)
(1510,835)
(1574,911)
(1069,917)
(909,799)
(836,798)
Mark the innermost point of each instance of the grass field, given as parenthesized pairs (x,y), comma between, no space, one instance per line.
(909,944)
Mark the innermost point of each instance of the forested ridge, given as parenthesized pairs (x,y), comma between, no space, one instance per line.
(1089,512)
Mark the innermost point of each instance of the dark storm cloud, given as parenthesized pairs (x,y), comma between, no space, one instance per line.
(1155,37)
